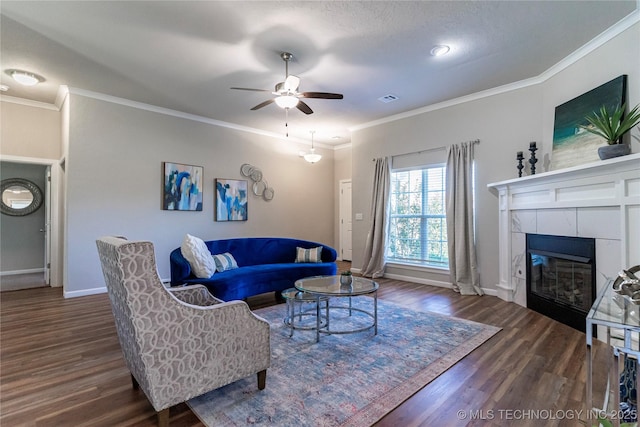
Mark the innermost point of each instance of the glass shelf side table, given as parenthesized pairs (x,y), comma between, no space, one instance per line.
(620,318)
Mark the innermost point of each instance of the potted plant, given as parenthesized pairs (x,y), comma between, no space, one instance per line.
(346,278)
(612,126)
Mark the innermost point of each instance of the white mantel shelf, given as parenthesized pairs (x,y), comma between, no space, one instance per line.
(631,161)
(599,200)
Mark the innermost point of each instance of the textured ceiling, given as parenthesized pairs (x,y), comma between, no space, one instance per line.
(186,55)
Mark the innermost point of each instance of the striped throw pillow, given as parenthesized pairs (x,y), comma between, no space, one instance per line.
(309,255)
(225,261)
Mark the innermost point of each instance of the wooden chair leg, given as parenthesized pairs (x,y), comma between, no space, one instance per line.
(262,379)
(134,383)
(163,418)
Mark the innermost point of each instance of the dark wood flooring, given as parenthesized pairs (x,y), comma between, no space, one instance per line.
(61,365)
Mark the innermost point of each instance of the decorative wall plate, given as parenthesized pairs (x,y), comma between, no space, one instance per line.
(256,175)
(259,187)
(246,169)
(268,193)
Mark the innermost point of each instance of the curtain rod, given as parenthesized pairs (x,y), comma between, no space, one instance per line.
(426,150)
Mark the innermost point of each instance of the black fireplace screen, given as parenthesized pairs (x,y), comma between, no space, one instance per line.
(561,277)
(562,280)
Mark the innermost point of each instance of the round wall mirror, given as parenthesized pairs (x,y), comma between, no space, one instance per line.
(19,197)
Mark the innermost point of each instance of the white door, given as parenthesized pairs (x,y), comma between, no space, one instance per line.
(345,221)
(47,226)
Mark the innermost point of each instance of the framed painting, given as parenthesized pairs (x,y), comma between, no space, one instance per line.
(231,200)
(573,145)
(182,187)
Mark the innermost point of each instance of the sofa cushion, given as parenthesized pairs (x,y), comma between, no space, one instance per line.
(195,251)
(309,255)
(225,262)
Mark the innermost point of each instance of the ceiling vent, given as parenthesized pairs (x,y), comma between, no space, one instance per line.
(388,98)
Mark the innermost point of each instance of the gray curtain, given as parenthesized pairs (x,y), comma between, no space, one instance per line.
(463,267)
(374,262)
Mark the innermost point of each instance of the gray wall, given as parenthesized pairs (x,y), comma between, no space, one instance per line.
(22,243)
(114,177)
(505,123)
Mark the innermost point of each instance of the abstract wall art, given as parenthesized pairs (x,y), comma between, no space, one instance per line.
(182,187)
(231,200)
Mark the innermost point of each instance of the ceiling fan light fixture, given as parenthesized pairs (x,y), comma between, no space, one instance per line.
(24,78)
(440,50)
(286,101)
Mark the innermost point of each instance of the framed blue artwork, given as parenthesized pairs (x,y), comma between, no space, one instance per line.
(231,200)
(182,187)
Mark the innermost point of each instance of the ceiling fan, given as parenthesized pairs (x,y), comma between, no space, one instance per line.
(286,93)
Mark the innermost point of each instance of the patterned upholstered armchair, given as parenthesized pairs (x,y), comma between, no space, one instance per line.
(178,343)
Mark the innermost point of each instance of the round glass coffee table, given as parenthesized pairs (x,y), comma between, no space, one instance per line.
(320,287)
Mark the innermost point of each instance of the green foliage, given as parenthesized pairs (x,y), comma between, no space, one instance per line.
(417,229)
(346,273)
(611,126)
(603,422)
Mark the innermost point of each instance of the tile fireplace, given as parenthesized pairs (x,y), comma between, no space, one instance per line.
(598,201)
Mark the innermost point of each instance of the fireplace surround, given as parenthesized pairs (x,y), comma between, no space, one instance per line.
(599,200)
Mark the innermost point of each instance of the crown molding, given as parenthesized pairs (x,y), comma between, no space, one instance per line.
(28,102)
(179,114)
(61,96)
(610,33)
(30,160)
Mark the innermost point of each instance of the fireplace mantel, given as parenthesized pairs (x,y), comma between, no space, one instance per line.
(599,200)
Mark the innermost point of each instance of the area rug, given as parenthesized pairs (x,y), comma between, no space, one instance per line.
(347,379)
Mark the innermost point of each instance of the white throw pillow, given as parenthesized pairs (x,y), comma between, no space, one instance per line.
(309,255)
(195,251)
(225,261)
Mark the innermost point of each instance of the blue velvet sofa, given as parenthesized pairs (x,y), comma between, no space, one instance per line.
(265,264)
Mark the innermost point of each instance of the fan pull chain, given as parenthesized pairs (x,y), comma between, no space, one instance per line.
(286,121)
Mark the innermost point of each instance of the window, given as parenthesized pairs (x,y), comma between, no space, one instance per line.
(417,223)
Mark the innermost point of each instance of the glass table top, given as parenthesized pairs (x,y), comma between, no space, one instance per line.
(330,286)
(612,307)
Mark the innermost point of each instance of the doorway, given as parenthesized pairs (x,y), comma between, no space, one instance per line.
(346,222)
(25,239)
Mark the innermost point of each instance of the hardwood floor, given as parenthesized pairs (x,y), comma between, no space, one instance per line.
(61,364)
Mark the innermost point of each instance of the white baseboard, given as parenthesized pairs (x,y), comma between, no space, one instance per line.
(411,279)
(440,284)
(430,282)
(94,291)
(27,271)
(490,291)
(84,292)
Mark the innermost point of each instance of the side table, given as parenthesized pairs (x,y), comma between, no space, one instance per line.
(620,319)
(295,297)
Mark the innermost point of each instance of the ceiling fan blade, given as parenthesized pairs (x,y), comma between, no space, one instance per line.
(292,83)
(246,88)
(324,95)
(262,104)
(304,107)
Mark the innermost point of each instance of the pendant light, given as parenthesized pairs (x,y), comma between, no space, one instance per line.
(312,156)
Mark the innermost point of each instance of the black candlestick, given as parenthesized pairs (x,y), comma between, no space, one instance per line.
(533,160)
(520,166)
